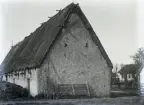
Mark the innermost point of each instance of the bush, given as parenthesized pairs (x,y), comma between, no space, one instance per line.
(25,92)
(12,91)
(40,96)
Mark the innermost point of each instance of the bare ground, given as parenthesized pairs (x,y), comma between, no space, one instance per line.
(95,101)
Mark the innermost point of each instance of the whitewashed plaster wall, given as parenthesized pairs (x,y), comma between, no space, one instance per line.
(75,59)
(22,81)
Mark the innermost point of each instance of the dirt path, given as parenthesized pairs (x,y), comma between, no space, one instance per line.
(94,101)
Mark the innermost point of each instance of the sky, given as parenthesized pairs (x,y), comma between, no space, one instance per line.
(117,23)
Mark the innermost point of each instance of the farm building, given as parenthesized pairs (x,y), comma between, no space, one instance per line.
(63,55)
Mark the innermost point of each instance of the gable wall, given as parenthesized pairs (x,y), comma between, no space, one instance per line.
(72,61)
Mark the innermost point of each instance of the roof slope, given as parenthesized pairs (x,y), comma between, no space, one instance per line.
(32,50)
(128,69)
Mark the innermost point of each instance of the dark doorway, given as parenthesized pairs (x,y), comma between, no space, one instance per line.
(14,80)
(28,83)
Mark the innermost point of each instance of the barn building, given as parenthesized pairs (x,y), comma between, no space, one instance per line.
(63,52)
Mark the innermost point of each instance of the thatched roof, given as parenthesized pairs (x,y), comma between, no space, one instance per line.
(128,69)
(31,52)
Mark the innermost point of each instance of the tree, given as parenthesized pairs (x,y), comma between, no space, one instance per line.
(115,69)
(114,78)
(138,59)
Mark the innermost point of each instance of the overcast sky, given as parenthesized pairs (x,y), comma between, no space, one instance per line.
(116,23)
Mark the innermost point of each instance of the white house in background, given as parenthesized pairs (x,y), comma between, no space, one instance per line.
(63,51)
(127,72)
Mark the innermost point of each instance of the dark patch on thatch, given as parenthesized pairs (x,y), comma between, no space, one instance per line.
(31,52)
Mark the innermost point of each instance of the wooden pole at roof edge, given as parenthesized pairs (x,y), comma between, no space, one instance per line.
(50,17)
(58,10)
(12,44)
(75,1)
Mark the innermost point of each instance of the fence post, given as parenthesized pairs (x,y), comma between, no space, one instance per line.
(88,89)
(73,90)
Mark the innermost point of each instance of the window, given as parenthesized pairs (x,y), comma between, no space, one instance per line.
(86,45)
(14,80)
(65,45)
(6,77)
(122,75)
(129,75)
